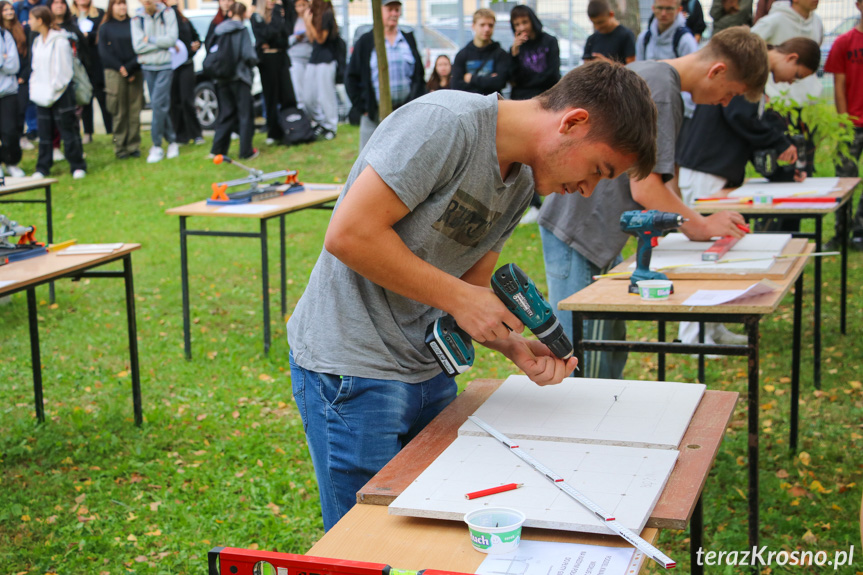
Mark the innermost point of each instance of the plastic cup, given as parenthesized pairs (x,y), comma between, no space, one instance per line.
(654,289)
(495,530)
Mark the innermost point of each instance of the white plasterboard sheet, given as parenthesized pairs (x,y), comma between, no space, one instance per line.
(691,261)
(774,243)
(645,413)
(808,187)
(625,481)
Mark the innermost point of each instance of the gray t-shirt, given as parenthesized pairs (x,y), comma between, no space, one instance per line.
(591,226)
(439,155)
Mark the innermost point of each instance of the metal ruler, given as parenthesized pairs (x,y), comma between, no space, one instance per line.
(630,536)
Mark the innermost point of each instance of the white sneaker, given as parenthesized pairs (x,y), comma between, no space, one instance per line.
(15,171)
(155,155)
(26,144)
(269,141)
(173,150)
(37,175)
(58,155)
(79,175)
(725,336)
(235,136)
(529,216)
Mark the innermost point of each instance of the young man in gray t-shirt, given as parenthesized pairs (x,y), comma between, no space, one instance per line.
(417,233)
(581,237)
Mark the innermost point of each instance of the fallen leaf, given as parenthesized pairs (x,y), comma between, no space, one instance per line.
(797,491)
(836,507)
(25,518)
(51,519)
(235,414)
(141,559)
(201,417)
(123,373)
(154,506)
(809,537)
(782,474)
(855,384)
(769,388)
(273,507)
(80,499)
(131,537)
(804,458)
(155,533)
(265,377)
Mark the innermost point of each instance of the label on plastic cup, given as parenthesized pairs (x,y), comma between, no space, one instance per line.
(654,289)
(495,530)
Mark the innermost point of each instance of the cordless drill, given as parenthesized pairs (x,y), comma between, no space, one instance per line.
(648,226)
(451,346)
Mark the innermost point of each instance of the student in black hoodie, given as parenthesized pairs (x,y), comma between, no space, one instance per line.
(235,95)
(124,81)
(271,46)
(482,66)
(183,114)
(88,19)
(535,55)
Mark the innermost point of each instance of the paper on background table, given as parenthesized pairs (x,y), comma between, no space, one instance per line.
(676,242)
(549,557)
(820,187)
(250,208)
(84,249)
(717,297)
(7,283)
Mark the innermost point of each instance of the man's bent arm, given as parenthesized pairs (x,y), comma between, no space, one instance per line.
(361,236)
(653,194)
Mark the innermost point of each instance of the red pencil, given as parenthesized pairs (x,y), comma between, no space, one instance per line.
(493,490)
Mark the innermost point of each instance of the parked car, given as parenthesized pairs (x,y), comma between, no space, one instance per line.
(206,103)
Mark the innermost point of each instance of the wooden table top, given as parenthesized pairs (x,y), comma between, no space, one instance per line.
(369,533)
(313,195)
(697,451)
(843,193)
(612,295)
(44,268)
(15,185)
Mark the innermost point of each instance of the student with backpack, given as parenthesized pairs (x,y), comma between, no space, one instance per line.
(667,36)
(230,60)
(154,32)
(51,90)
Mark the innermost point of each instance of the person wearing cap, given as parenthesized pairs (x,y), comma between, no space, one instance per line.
(407,77)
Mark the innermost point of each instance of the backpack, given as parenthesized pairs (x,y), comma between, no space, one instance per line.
(341,59)
(81,84)
(296,125)
(675,42)
(222,60)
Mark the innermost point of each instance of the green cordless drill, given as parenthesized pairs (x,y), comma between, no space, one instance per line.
(451,346)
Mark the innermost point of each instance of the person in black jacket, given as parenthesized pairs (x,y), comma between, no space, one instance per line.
(271,46)
(11,24)
(482,66)
(89,18)
(407,76)
(124,81)
(235,94)
(535,55)
(63,21)
(221,16)
(183,114)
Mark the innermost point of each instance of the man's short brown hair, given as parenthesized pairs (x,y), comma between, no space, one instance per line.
(597,8)
(745,54)
(622,112)
(484,13)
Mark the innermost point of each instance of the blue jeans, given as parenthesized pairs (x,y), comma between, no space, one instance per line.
(567,272)
(354,426)
(159,86)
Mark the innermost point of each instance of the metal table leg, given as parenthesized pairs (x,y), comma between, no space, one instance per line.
(795,363)
(184,281)
(696,536)
(49,219)
(284,270)
(816,335)
(751,323)
(265,285)
(34,353)
(133,339)
(578,342)
(701,376)
(843,302)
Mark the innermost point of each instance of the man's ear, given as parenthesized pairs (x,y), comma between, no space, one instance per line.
(716,69)
(574,118)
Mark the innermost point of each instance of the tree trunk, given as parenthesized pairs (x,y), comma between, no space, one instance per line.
(385,106)
(627,12)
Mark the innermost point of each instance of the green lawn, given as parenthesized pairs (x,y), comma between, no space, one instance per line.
(221,459)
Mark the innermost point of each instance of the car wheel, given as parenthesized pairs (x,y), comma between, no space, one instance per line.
(206,105)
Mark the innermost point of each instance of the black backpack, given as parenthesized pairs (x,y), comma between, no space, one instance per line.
(222,60)
(675,41)
(296,125)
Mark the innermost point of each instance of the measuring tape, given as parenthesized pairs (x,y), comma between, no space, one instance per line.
(607,519)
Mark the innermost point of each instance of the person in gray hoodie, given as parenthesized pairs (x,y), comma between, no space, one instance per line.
(154,32)
(235,93)
(10,151)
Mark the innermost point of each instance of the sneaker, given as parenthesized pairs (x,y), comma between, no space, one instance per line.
(211,155)
(87,139)
(173,150)
(530,216)
(15,171)
(37,175)
(235,136)
(135,154)
(79,175)
(200,141)
(856,244)
(155,155)
(255,154)
(270,141)
(723,335)
(58,155)
(26,144)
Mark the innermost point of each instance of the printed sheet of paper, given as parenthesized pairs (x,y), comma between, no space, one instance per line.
(547,557)
(7,283)
(250,208)
(717,297)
